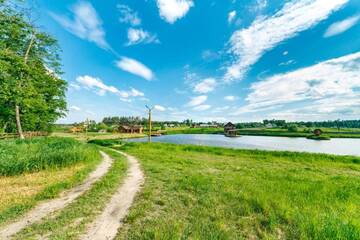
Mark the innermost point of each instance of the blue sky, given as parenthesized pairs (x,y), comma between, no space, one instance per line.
(208,60)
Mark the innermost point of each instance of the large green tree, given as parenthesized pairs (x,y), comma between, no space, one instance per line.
(32,95)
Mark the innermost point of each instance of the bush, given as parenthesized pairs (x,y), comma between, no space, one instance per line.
(293,128)
(19,156)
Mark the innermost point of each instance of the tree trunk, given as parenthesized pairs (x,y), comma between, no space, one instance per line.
(18,122)
(17,108)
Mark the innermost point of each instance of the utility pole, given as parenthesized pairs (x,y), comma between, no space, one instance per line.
(149,109)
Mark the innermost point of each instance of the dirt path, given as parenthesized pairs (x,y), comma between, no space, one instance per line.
(107,224)
(48,207)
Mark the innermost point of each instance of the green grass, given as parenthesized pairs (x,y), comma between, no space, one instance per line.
(63,164)
(19,156)
(105,142)
(71,221)
(194,192)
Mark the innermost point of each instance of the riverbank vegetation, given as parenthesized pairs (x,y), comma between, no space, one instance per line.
(39,169)
(215,193)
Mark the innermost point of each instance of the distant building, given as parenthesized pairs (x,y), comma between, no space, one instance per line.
(130,129)
(229,127)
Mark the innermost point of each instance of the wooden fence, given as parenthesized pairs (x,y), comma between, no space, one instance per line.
(26,135)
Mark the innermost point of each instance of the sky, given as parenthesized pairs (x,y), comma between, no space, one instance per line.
(208,60)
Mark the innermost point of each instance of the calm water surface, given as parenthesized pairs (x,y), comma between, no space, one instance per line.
(339,146)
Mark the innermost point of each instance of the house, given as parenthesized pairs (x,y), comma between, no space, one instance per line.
(76,130)
(130,129)
(229,127)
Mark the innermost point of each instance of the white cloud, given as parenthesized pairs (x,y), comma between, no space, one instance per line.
(85,25)
(138,36)
(341,26)
(205,86)
(172,10)
(201,107)
(159,108)
(135,67)
(74,86)
(248,45)
(336,78)
(285,53)
(231,16)
(195,101)
(101,89)
(75,108)
(128,15)
(230,98)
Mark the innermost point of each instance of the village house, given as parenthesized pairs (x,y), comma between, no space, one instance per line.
(229,127)
(130,129)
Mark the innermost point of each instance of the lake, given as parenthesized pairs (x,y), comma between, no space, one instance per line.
(338,146)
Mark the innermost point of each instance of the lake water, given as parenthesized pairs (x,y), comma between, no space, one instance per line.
(338,146)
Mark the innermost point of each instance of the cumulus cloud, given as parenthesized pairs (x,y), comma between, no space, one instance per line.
(249,45)
(135,67)
(231,16)
(202,107)
(75,108)
(230,98)
(173,10)
(336,78)
(140,36)
(102,89)
(128,15)
(86,24)
(195,101)
(341,26)
(159,108)
(205,86)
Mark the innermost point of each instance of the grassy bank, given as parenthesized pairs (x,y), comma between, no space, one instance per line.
(214,193)
(71,221)
(95,136)
(40,169)
(285,133)
(195,131)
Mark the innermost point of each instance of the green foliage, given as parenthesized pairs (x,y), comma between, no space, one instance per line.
(293,128)
(19,156)
(33,83)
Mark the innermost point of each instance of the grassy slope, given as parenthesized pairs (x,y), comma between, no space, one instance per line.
(72,220)
(92,135)
(212,193)
(64,163)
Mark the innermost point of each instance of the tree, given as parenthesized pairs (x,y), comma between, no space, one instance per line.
(31,93)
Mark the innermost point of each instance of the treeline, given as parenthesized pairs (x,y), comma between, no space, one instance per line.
(318,124)
(32,95)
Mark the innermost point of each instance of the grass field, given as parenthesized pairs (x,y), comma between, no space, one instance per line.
(38,169)
(196,192)
(95,136)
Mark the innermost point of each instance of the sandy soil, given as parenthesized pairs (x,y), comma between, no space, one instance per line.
(108,223)
(47,207)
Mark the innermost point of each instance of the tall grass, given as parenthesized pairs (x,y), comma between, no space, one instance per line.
(19,156)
